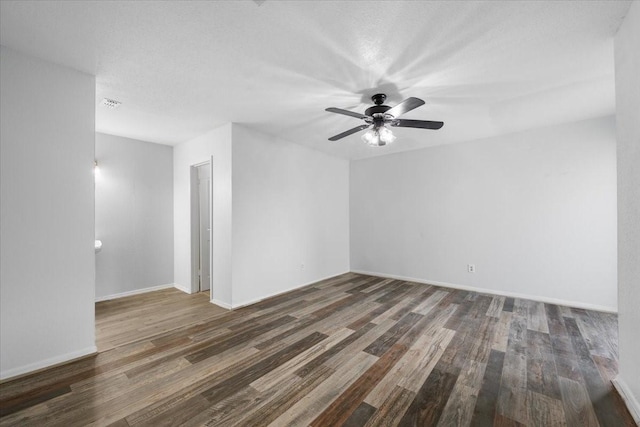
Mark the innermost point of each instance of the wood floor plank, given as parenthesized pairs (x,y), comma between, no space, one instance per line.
(512,399)
(542,376)
(360,416)
(563,353)
(606,326)
(310,406)
(577,406)
(164,392)
(229,386)
(544,411)
(25,401)
(212,367)
(270,409)
(391,410)
(593,336)
(272,378)
(503,421)
(455,322)
(508,305)
(495,309)
(429,303)
(393,334)
(565,311)
(414,367)
(342,407)
(228,409)
(350,350)
(410,300)
(608,368)
(485,409)
(378,285)
(501,333)
(536,317)
(483,337)
(426,408)
(346,343)
(369,283)
(229,341)
(358,345)
(261,368)
(394,291)
(604,401)
(337,320)
(369,317)
(459,408)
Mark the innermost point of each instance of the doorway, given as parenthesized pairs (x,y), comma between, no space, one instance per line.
(201,229)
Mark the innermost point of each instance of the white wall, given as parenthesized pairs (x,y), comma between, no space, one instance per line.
(534,211)
(627,46)
(215,144)
(47,273)
(290,215)
(134,215)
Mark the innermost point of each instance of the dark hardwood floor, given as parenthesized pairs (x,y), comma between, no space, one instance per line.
(349,351)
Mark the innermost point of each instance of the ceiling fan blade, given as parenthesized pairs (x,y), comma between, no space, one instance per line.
(421,124)
(405,106)
(348,132)
(346,112)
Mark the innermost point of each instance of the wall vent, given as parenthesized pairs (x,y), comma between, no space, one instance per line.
(111,103)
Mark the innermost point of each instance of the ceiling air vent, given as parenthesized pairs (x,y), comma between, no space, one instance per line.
(111,103)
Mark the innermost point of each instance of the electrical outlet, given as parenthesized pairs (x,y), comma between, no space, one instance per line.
(471,268)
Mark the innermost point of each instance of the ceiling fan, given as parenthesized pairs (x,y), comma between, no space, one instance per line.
(379,117)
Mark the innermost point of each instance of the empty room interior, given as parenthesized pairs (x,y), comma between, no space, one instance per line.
(320,213)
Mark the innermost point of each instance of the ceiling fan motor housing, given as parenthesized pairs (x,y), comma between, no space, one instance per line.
(377,111)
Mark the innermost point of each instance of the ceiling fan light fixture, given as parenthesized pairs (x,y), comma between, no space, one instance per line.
(377,137)
(386,135)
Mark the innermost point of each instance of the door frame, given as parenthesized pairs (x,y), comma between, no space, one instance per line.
(195,227)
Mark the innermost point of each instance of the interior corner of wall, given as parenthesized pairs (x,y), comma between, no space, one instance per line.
(182,288)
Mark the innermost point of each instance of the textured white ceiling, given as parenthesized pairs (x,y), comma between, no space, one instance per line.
(183,68)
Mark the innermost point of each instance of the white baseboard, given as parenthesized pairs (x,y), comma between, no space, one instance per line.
(221,304)
(275,294)
(182,288)
(47,363)
(628,397)
(135,292)
(538,298)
